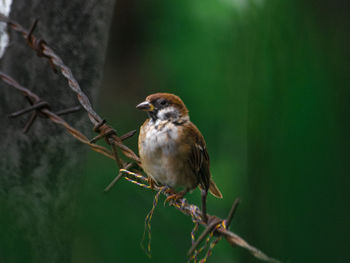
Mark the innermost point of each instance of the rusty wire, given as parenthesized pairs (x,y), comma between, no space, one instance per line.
(195,213)
(214,226)
(43,50)
(54,117)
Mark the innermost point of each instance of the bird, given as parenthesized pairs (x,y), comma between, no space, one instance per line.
(172,150)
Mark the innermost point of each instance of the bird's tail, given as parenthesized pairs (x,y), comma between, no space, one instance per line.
(214,190)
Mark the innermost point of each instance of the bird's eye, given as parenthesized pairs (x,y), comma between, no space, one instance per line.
(163,102)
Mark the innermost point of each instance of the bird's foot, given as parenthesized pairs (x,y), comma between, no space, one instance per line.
(150,182)
(175,197)
(168,190)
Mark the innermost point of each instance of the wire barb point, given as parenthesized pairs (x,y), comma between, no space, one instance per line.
(35,106)
(68,111)
(208,229)
(127,135)
(232,212)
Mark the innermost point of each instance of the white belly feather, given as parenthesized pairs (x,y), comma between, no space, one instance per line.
(158,151)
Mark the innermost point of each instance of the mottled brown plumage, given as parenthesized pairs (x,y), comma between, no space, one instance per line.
(172,149)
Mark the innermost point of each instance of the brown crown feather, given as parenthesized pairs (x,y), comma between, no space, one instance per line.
(172,99)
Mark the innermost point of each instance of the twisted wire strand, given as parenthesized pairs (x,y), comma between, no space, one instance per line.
(73,84)
(213,243)
(147,227)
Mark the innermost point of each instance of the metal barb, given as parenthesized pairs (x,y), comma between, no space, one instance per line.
(104,131)
(30,101)
(30,122)
(232,212)
(99,125)
(96,138)
(32,28)
(115,152)
(68,111)
(127,135)
(116,179)
(36,43)
(103,134)
(209,228)
(35,106)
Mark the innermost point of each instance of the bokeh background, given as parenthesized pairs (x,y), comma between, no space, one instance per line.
(267,83)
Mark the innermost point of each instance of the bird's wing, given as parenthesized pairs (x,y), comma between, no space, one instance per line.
(198,156)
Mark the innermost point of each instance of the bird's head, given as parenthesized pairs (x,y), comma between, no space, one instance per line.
(164,106)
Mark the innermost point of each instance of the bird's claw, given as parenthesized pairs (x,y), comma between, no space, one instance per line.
(150,182)
(174,197)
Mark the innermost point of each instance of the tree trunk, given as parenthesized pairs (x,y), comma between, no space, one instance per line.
(41,170)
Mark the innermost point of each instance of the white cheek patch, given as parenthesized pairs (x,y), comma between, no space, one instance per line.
(168,113)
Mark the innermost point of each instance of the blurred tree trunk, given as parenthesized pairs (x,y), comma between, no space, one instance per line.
(41,170)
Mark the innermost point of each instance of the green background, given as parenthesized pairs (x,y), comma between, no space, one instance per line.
(266,82)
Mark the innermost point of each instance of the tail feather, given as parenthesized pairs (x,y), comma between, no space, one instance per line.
(214,190)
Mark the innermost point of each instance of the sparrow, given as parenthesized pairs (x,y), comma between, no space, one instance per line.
(172,150)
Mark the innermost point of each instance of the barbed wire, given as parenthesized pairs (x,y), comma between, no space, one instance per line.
(43,50)
(43,107)
(215,225)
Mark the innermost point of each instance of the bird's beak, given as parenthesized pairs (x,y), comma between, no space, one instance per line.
(146,106)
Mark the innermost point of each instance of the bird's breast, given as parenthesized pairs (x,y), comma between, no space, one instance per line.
(159,138)
(162,157)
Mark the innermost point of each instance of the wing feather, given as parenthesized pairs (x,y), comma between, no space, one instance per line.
(199,158)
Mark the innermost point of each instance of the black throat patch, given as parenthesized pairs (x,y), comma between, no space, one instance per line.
(153,115)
